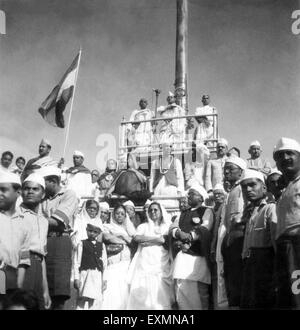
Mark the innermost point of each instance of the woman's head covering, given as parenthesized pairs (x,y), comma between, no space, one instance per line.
(165,221)
(115,228)
(129,203)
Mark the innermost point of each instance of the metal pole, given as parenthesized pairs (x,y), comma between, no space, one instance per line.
(181,52)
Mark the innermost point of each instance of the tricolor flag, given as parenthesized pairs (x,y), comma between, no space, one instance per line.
(53,107)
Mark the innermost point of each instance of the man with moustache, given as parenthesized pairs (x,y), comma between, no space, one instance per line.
(287,157)
(232,244)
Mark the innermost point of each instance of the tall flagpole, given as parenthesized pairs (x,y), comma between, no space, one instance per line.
(71,108)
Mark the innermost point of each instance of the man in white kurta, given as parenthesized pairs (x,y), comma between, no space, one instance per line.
(140,134)
(79,177)
(207,128)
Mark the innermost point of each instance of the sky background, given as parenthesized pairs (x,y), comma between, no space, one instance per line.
(240,52)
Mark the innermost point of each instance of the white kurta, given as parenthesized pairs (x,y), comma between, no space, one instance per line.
(165,189)
(142,135)
(81,184)
(150,274)
(205,131)
(172,131)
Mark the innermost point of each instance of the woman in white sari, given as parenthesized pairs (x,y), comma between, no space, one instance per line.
(151,285)
(117,236)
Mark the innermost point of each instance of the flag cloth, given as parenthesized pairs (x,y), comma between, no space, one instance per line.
(53,107)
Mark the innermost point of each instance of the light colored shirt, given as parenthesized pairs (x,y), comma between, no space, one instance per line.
(80,183)
(62,207)
(14,240)
(259,164)
(288,208)
(260,228)
(39,230)
(234,206)
(214,172)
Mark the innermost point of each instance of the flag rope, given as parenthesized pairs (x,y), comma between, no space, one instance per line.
(71,107)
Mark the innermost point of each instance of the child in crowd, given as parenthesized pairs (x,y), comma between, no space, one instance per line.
(90,261)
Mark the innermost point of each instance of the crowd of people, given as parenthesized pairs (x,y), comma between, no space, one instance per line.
(202,233)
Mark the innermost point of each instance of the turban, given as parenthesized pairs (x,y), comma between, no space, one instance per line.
(237,161)
(252,174)
(286,144)
(8,177)
(37,178)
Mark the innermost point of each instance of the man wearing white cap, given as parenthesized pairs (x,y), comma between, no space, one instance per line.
(140,133)
(233,241)
(171,131)
(256,162)
(41,161)
(287,157)
(207,127)
(33,191)
(14,236)
(218,285)
(258,287)
(79,177)
(191,239)
(275,184)
(214,169)
(59,207)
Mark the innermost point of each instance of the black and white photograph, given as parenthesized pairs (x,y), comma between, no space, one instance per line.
(149,157)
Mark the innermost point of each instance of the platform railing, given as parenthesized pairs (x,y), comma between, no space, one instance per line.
(183,144)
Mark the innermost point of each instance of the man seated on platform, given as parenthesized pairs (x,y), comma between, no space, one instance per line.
(108,176)
(79,177)
(41,161)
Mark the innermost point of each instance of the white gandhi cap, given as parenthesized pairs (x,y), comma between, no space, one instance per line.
(8,177)
(37,178)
